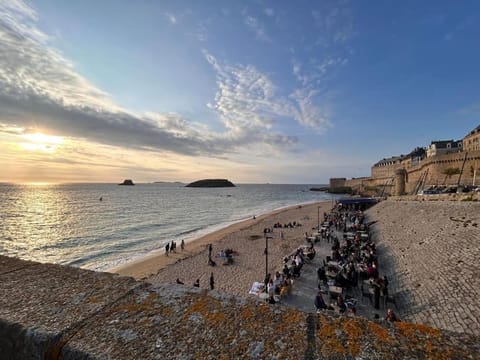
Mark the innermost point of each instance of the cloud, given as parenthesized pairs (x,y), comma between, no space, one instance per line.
(171,18)
(335,25)
(269,12)
(310,114)
(257,27)
(248,103)
(40,89)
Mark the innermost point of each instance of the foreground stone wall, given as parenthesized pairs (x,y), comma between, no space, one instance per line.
(55,312)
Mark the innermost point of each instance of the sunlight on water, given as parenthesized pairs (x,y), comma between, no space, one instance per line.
(39,218)
(68,224)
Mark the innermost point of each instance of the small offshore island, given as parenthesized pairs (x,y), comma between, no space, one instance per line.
(127,182)
(211,183)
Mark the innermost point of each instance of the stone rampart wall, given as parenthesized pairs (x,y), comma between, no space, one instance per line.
(337,182)
(431,170)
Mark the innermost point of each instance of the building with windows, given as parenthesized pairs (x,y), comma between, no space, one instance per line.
(424,167)
(444,147)
(471,142)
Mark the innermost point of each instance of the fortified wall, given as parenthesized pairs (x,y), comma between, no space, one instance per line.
(55,312)
(419,174)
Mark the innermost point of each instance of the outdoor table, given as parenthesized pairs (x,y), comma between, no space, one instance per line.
(335,290)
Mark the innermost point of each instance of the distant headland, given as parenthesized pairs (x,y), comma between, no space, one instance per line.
(127,182)
(209,183)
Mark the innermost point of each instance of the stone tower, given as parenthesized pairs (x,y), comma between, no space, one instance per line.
(400,177)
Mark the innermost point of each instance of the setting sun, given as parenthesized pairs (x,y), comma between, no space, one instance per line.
(41,142)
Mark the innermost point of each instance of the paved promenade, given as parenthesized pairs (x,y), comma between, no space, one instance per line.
(430,250)
(306,286)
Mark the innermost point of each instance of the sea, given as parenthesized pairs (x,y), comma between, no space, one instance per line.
(101,226)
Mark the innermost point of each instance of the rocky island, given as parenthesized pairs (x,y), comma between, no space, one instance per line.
(210,183)
(127,182)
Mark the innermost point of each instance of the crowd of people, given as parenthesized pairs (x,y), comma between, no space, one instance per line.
(172,246)
(289,225)
(352,261)
(281,283)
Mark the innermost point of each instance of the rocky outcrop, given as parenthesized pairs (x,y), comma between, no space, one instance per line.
(127,182)
(209,183)
(51,312)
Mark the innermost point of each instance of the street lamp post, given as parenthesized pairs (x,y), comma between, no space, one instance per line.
(266,254)
(318,218)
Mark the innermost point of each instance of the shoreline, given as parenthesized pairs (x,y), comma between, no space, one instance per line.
(156,261)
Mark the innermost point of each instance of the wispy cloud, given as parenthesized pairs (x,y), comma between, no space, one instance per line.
(461,26)
(335,25)
(172,18)
(248,102)
(269,12)
(40,89)
(310,113)
(257,27)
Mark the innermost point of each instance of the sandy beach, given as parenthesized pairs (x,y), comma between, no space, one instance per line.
(246,238)
(428,249)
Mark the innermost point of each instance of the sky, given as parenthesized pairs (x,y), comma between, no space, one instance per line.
(252,91)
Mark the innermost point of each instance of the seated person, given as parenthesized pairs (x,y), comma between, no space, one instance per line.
(341,304)
(286,287)
(391,316)
(319,302)
(229,260)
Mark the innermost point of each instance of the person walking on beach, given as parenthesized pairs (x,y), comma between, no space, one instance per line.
(212,282)
(210,249)
(167,248)
(182,245)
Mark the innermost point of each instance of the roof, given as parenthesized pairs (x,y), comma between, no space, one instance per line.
(390,159)
(442,144)
(474,131)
